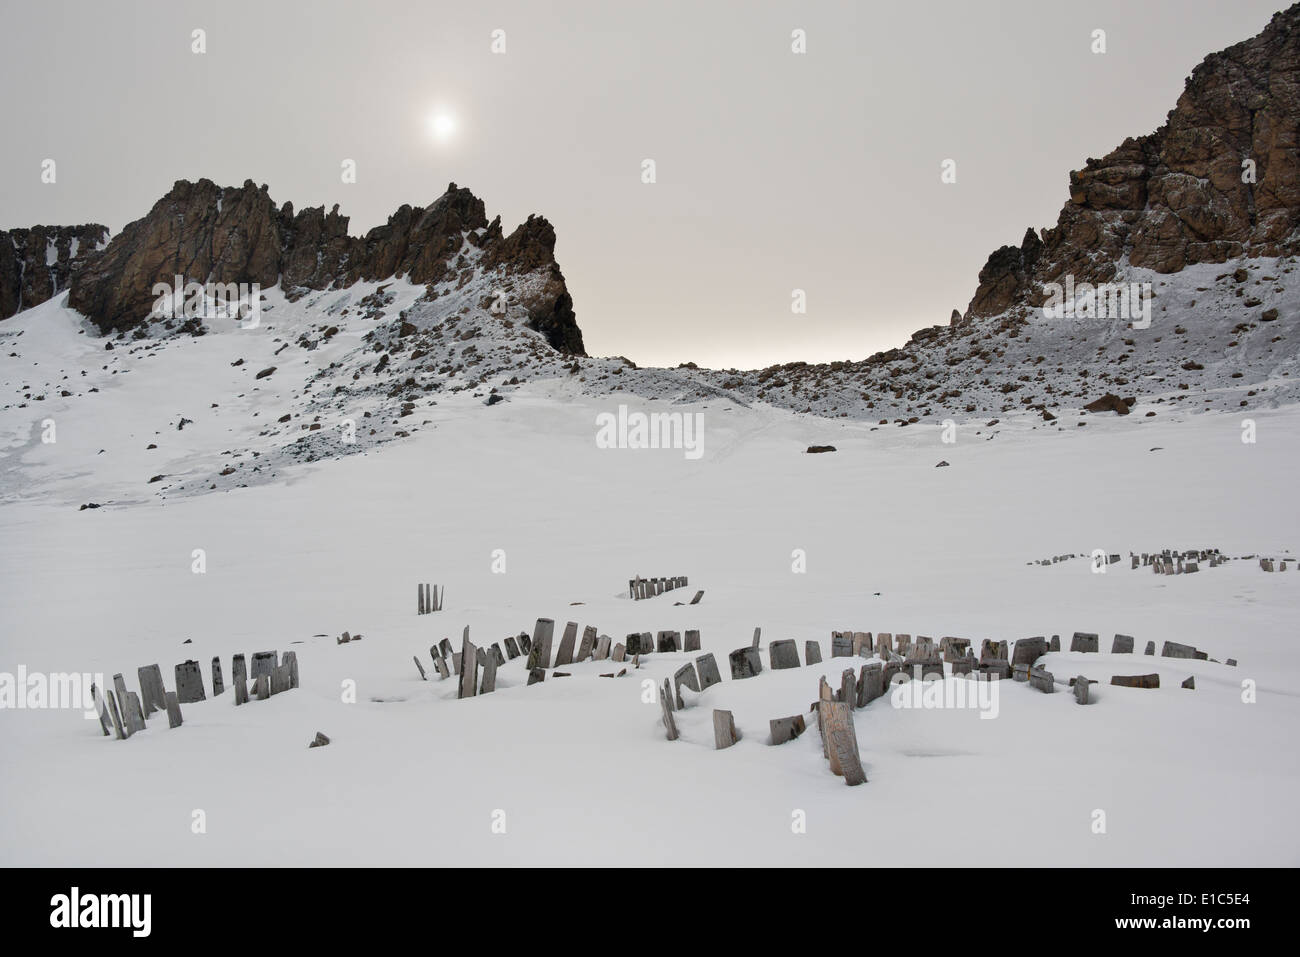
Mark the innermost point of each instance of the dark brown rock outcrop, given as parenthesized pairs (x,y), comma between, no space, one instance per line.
(39,263)
(207,233)
(1180,195)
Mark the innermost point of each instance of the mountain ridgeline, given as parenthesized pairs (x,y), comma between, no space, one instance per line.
(1203,213)
(208,233)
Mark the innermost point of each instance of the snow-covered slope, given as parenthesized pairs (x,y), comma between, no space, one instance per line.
(358,367)
(518,514)
(1222,336)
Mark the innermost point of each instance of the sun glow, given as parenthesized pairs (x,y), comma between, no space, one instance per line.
(442,126)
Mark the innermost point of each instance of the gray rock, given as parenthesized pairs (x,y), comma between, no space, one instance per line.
(320,740)
(416,659)
(812,652)
(619,653)
(441,664)
(841,644)
(602,648)
(536,675)
(1122,645)
(1151,648)
(692,641)
(512,647)
(488,682)
(1172,649)
(1190,682)
(218,684)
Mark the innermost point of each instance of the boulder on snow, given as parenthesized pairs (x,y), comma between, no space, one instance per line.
(1111,403)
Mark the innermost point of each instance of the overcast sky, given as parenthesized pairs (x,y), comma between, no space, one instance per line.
(775,171)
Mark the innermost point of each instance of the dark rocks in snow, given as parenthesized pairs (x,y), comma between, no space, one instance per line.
(1111,403)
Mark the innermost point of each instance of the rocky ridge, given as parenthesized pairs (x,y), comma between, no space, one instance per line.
(39,263)
(207,233)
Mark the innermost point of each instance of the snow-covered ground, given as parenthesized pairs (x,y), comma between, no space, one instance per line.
(580,765)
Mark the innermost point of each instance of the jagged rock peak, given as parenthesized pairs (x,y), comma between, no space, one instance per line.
(1219,180)
(208,233)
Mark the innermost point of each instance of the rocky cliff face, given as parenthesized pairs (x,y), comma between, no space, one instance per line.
(207,233)
(38,263)
(1184,194)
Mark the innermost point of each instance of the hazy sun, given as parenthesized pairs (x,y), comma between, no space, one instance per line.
(442,125)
